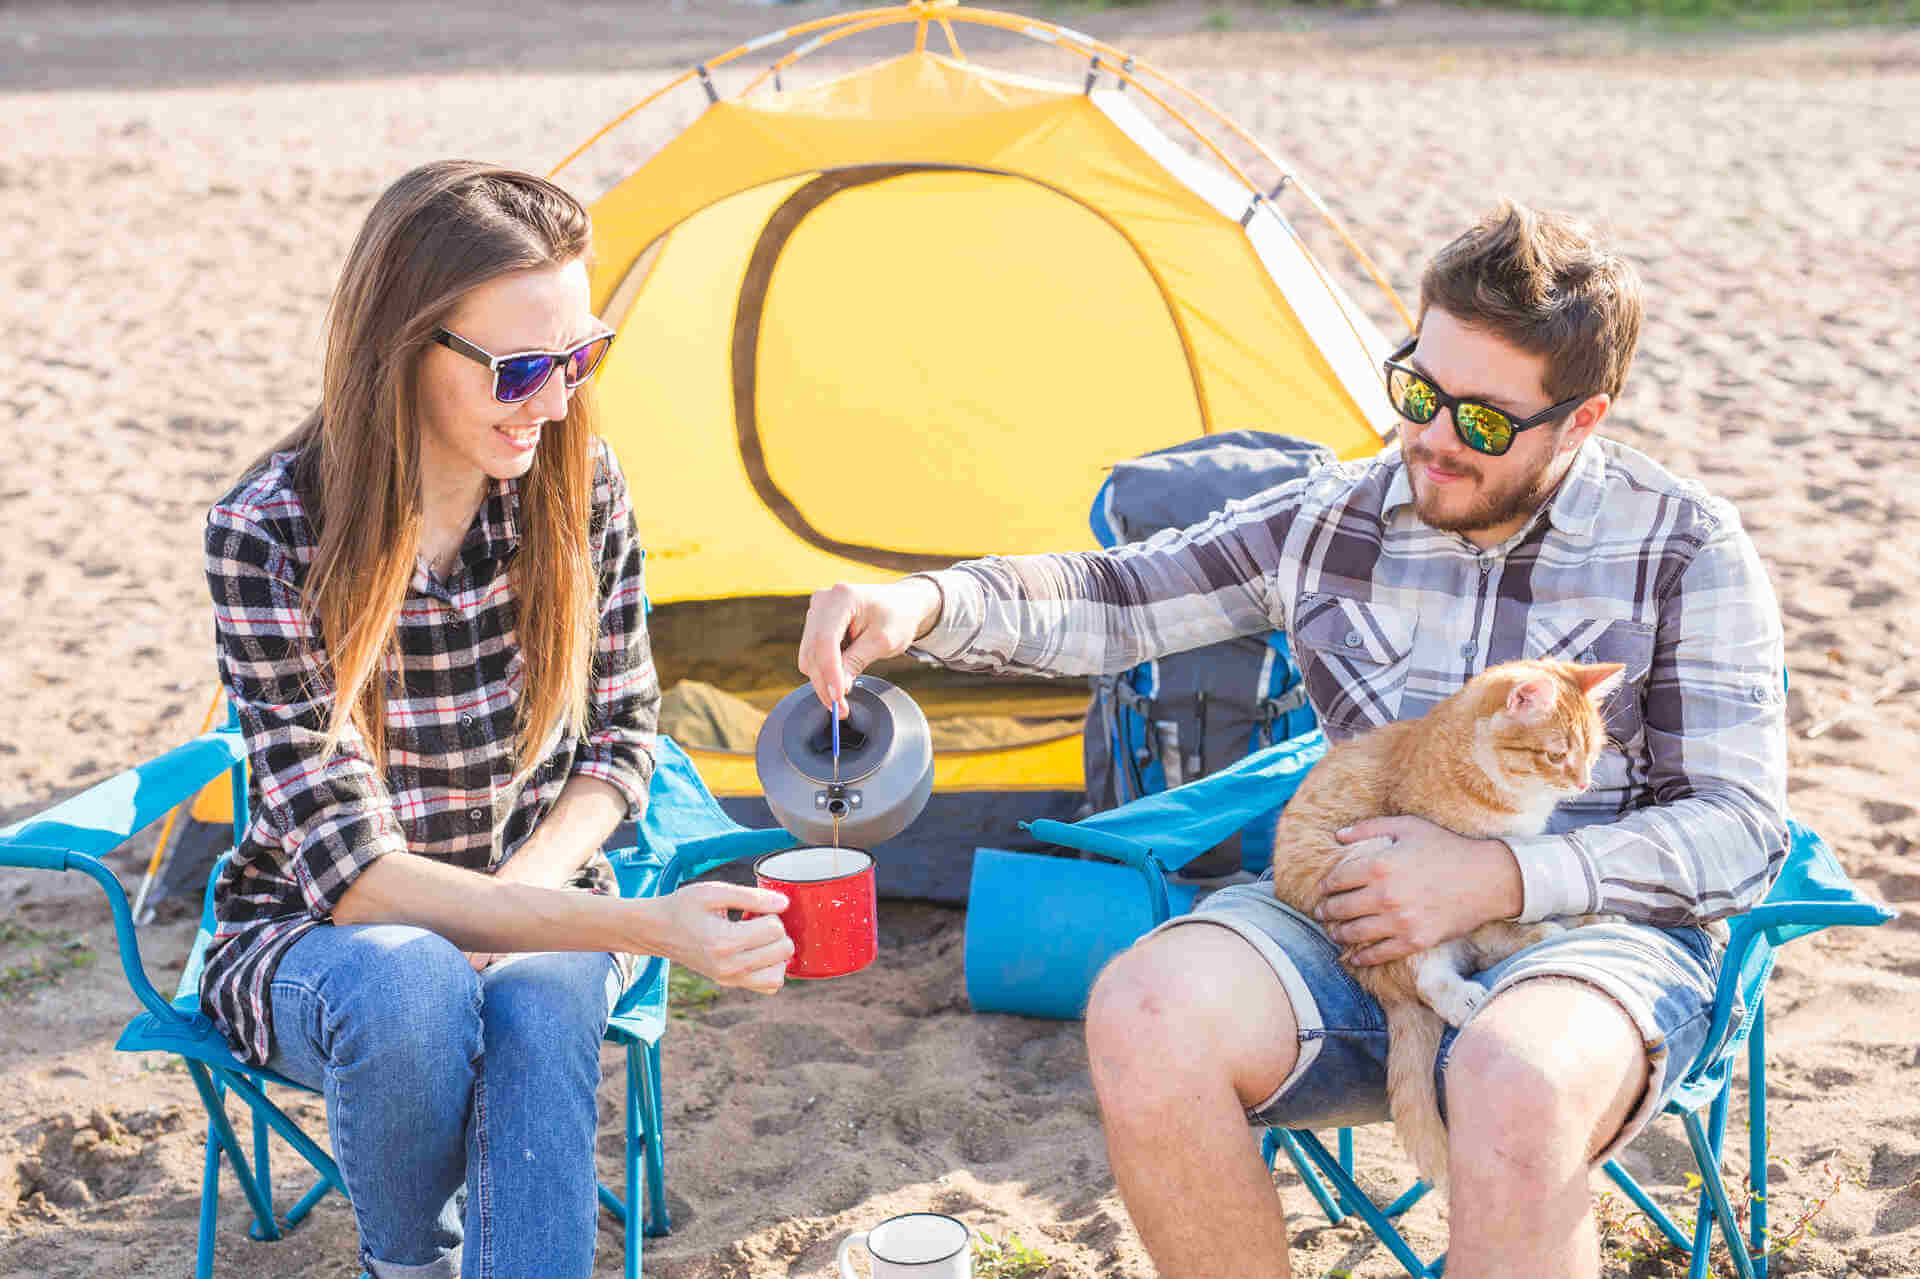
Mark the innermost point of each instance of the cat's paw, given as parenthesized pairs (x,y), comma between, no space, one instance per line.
(1456,1006)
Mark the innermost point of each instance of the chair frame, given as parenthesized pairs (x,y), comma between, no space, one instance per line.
(1708,1083)
(77,833)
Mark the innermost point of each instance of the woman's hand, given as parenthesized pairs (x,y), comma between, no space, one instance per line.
(698,932)
(880,622)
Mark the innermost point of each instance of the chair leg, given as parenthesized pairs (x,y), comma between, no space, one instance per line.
(1641,1200)
(290,1132)
(1357,1202)
(1279,1139)
(611,1202)
(223,1131)
(209,1205)
(307,1201)
(636,1226)
(659,1223)
(1757,1131)
(1709,1163)
(262,1170)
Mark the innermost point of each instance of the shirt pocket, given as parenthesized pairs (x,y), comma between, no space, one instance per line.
(1354,657)
(1603,639)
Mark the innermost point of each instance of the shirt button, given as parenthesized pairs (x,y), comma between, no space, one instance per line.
(1486,567)
(1353,639)
(476,815)
(466,721)
(1760,693)
(1589,656)
(1469,648)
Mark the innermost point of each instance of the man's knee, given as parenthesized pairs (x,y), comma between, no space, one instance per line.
(1194,1003)
(1542,1077)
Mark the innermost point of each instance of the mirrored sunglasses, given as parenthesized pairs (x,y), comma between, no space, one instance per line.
(1481,427)
(520,376)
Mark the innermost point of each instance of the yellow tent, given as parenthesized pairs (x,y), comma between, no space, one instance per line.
(910,315)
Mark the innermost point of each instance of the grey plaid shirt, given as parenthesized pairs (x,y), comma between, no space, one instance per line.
(449,791)
(1686,818)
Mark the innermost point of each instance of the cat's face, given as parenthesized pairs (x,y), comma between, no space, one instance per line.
(1541,724)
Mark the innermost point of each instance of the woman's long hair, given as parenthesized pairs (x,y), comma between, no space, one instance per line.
(436,234)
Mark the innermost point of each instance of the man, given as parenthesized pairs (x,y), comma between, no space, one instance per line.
(1500,528)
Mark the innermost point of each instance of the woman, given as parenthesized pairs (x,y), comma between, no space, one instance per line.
(430,617)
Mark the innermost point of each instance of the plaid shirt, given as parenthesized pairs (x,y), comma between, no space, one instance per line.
(449,790)
(1686,818)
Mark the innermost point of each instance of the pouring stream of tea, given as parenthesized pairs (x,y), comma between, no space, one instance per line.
(834,715)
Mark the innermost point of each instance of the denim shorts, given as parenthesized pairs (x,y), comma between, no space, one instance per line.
(1663,977)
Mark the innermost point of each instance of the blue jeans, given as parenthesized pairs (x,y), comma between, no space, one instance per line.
(443,1085)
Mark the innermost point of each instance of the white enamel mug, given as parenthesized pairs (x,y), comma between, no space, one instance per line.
(916,1245)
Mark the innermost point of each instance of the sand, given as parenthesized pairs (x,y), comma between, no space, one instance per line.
(177,189)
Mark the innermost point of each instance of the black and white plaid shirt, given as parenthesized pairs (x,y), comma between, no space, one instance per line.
(449,791)
(1686,818)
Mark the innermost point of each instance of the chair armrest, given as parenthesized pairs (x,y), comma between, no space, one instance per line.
(1130,852)
(1764,918)
(1067,835)
(698,856)
(39,857)
(1856,914)
(33,856)
(77,832)
(107,814)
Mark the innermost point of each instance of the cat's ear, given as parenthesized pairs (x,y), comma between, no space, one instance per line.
(1599,680)
(1531,700)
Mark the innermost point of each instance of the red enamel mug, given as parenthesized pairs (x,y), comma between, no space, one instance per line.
(830,908)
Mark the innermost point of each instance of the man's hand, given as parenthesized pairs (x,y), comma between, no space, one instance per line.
(880,621)
(752,953)
(1409,885)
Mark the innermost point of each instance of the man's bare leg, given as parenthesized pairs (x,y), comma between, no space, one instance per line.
(1185,1031)
(1539,1083)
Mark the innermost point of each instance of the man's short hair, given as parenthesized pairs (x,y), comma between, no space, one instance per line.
(1545,284)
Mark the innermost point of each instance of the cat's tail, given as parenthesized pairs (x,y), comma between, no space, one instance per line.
(1413,1042)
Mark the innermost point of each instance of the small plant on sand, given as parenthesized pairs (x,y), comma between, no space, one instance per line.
(1007,1258)
(65,955)
(1631,1238)
(689,992)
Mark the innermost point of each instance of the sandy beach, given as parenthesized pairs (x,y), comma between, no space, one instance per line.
(178,187)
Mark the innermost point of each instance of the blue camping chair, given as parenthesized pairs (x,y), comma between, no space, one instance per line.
(1020,971)
(684,834)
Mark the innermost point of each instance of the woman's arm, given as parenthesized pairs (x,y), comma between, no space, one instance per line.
(489,915)
(586,812)
(576,827)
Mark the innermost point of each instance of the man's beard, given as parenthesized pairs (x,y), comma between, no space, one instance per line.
(1493,508)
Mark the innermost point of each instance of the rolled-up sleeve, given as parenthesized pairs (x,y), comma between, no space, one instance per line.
(1097,612)
(624,709)
(1714,837)
(330,811)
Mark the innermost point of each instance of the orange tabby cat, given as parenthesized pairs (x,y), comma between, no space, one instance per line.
(1489,762)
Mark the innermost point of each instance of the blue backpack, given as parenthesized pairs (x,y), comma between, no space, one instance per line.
(1181,717)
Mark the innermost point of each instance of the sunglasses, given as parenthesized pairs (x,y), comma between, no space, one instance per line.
(1480,427)
(520,376)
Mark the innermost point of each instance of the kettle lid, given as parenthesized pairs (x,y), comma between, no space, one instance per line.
(885,769)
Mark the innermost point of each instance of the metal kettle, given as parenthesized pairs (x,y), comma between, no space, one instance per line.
(885,773)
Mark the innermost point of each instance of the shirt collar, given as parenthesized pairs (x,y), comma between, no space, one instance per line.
(496,533)
(1572,509)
